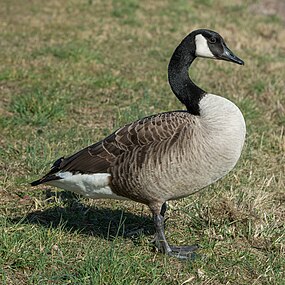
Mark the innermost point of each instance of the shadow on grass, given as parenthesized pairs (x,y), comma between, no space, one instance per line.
(74,216)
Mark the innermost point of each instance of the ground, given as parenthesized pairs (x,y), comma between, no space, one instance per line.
(73,71)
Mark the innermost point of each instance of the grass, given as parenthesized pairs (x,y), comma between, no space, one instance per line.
(70,73)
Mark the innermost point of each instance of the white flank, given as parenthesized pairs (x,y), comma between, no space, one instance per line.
(94,186)
(202,48)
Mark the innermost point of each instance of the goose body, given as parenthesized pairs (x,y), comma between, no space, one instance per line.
(165,156)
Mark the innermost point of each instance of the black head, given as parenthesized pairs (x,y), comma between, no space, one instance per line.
(211,45)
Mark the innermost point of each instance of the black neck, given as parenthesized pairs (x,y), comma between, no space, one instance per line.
(183,87)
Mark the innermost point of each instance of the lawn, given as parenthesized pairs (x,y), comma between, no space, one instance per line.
(73,71)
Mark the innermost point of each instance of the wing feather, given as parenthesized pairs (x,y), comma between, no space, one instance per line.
(137,137)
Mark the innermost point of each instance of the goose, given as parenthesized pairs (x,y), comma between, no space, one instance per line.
(166,156)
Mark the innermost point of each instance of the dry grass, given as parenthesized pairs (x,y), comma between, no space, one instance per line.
(73,71)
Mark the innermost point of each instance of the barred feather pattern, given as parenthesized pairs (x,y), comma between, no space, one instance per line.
(166,156)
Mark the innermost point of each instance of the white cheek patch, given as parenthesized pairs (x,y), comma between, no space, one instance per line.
(202,48)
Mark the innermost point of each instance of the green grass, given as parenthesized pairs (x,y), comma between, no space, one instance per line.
(73,71)
(36,108)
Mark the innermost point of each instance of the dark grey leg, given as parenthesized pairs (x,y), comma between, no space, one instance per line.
(160,240)
(163,209)
(181,252)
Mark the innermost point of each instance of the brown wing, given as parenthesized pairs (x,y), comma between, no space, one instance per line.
(139,135)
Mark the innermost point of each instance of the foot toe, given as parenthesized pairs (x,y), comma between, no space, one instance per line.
(184,252)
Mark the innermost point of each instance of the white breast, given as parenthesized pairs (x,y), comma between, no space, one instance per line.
(224,127)
(95,186)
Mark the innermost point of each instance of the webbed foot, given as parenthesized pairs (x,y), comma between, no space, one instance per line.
(180,252)
(183,252)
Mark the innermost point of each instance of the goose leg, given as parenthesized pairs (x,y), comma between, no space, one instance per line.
(181,252)
(160,239)
(163,209)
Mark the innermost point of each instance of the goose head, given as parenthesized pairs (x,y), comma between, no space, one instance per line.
(199,43)
(210,44)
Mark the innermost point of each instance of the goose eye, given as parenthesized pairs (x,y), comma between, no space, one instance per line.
(212,40)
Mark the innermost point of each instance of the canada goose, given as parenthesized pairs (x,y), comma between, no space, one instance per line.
(165,156)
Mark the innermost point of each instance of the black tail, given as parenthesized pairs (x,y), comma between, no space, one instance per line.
(50,176)
(45,179)
(37,182)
